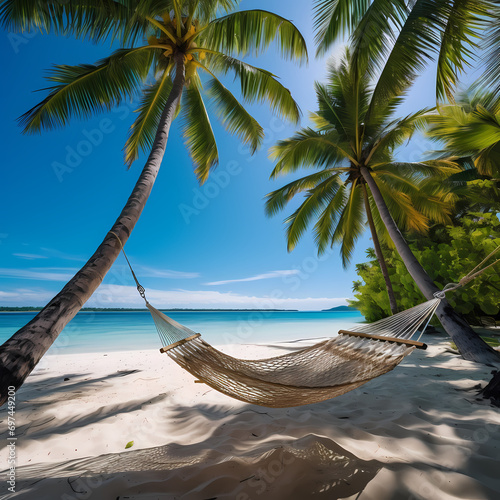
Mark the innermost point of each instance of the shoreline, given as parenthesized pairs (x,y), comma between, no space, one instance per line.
(417,430)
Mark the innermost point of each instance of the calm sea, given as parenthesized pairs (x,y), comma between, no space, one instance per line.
(122,331)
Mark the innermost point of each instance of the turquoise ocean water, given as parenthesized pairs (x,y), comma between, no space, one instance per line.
(123,331)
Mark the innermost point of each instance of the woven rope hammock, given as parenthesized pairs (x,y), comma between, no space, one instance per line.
(316,373)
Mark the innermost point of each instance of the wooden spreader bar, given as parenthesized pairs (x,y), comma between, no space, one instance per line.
(180,342)
(409,343)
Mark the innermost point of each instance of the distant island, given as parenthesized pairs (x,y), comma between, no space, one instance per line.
(131,309)
(339,309)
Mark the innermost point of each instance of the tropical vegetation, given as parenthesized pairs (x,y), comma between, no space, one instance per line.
(469,131)
(468,342)
(448,253)
(401,38)
(350,133)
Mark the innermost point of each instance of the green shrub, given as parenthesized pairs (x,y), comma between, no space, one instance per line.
(447,254)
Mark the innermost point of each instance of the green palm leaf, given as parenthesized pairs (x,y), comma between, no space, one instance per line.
(328,219)
(464,19)
(94,19)
(251,32)
(143,130)
(373,36)
(198,132)
(491,76)
(350,225)
(388,136)
(334,19)
(471,128)
(277,200)
(418,170)
(307,148)
(399,202)
(418,38)
(314,204)
(234,116)
(85,89)
(256,84)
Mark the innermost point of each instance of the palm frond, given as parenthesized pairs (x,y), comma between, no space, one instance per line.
(198,132)
(278,199)
(491,75)
(394,133)
(334,19)
(331,108)
(200,10)
(314,204)
(350,224)
(464,19)
(415,171)
(143,130)
(400,205)
(328,219)
(374,34)
(256,84)
(349,94)
(93,19)
(85,89)
(208,9)
(251,32)
(234,116)
(418,39)
(437,207)
(471,128)
(307,148)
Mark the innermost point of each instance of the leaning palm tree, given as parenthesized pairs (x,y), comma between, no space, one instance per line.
(186,43)
(336,195)
(361,136)
(402,37)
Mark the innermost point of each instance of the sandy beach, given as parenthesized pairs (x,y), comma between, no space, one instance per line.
(418,432)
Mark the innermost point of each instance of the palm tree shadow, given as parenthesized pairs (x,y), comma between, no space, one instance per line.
(311,465)
(236,458)
(44,396)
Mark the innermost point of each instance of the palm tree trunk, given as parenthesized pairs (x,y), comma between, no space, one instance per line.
(21,353)
(469,344)
(378,252)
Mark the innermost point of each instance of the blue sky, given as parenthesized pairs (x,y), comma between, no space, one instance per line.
(194,246)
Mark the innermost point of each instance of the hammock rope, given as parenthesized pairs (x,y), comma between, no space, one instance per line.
(316,373)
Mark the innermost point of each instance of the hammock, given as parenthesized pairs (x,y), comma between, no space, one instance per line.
(322,371)
(313,374)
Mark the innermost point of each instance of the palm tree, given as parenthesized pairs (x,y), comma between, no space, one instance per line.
(401,37)
(469,130)
(185,43)
(336,195)
(356,129)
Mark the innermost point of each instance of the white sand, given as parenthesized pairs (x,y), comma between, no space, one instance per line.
(416,433)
